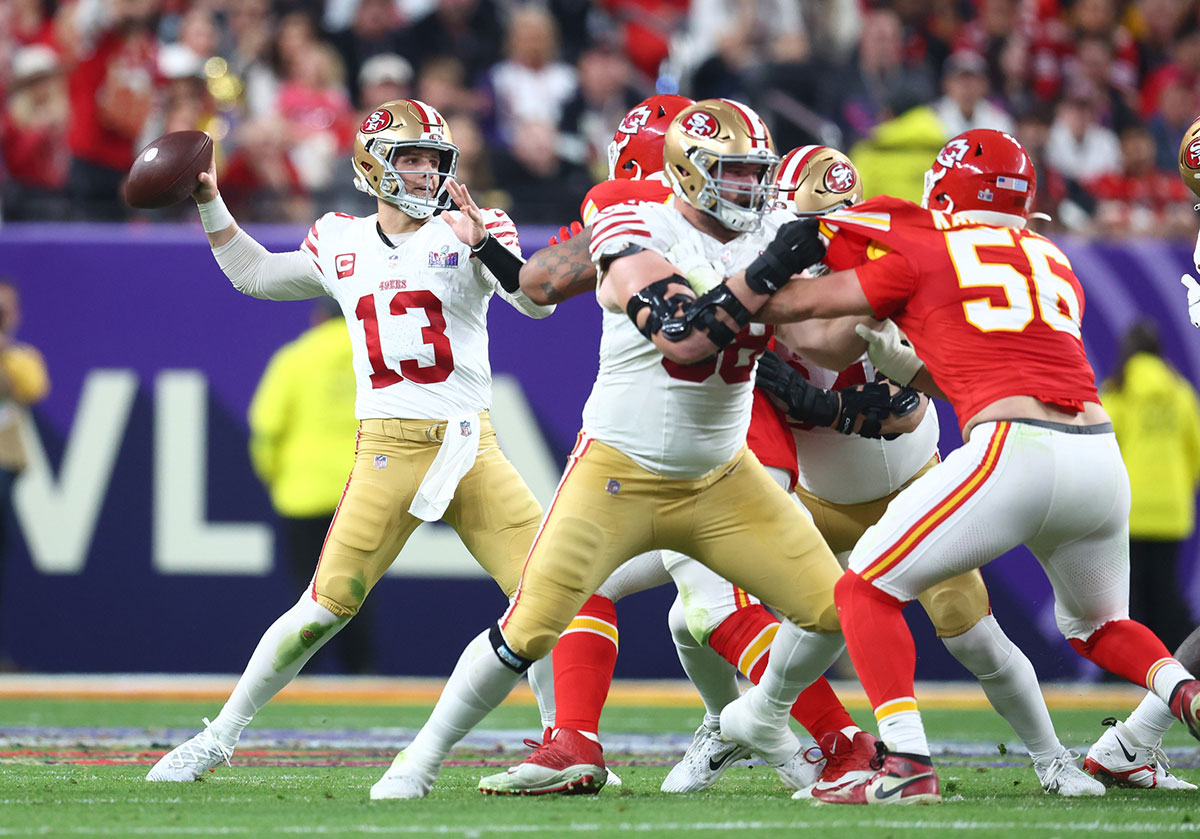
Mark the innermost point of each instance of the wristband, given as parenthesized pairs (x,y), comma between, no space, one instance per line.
(487,237)
(214,215)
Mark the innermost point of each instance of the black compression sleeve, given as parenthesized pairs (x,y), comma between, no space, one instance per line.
(503,263)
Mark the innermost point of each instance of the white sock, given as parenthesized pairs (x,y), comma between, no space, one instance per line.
(798,658)
(541,681)
(713,677)
(1165,675)
(1150,721)
(478,684)
(1008,678)
(902,731)
(282,652)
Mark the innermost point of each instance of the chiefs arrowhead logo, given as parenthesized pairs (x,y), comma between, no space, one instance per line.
(1191,155)
(701,124)
(839,178)
(635,120)
(376,121)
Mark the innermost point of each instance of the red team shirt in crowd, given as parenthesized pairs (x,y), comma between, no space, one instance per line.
(992,311)
(769,437)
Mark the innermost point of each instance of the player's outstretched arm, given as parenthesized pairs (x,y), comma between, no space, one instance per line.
(831,296)
(560,272)
(251,268)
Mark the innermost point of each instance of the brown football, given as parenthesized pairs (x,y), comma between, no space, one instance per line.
(1189,157)
(164,173)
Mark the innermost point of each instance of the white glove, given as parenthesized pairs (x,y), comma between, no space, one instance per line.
(1193,298)
(894,359)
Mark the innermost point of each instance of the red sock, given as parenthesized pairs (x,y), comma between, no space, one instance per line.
(743,639)
(584,659)
(879,641)
(1124,647)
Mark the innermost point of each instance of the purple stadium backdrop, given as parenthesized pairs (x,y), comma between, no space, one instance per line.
(143,541)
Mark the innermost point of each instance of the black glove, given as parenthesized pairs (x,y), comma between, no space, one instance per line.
(801,400)
(796,246)
(874,402)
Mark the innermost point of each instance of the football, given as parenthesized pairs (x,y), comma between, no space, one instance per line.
(1189,157)
(164,173)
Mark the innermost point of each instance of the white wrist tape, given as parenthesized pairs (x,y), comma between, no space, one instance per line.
(214,215)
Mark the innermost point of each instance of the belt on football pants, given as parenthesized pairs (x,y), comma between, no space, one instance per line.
(1099,428)
(417,430)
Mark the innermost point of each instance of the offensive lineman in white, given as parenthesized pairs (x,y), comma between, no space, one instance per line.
(414,287)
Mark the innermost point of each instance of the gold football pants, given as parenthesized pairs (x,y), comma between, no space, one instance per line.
(735,520)
(953,606)
(493,511)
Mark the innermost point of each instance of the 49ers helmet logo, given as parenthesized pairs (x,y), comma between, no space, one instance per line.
(376,121)
(839,178)
(701,124)
(1191,157)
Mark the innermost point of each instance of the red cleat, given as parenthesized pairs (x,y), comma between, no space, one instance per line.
(1185,704)
(564,762)
(900,779)
(847,761)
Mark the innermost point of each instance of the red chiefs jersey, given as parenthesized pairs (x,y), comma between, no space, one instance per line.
(992,311)
(622,191)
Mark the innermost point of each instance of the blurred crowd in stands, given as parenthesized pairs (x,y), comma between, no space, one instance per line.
(1099,91)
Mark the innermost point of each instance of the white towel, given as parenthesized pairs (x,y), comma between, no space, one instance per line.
(455,457)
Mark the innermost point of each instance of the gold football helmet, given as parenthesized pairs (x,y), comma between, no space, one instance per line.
(1189,157)
(705,138)
(393,126)
(814,180)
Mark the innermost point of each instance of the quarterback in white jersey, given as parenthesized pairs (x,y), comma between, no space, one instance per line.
(661,461)
(414,287)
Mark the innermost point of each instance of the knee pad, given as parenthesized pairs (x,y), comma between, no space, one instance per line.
(342,594)
(956,605)
(508,657)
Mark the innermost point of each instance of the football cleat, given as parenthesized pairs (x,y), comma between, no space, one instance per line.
(1061,776)
(405,778)
(900,779)
(705,760)
(564,762)
(799,771)
(848,760)
(1118,759)
(1185,704)
(741,723)
(190,761)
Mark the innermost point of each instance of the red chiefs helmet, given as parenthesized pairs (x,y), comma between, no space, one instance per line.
(981,169)
(636,150)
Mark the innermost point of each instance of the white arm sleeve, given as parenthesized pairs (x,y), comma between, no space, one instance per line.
(255,271)
(523,304)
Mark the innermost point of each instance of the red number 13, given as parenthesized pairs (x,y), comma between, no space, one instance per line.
(434,335)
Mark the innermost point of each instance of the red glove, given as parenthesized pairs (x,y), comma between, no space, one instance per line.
(565,233)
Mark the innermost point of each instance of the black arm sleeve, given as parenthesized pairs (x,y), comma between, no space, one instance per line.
(503,263)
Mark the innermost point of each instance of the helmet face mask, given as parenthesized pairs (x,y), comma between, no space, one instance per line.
(384,136)
(703,142)
(815,180)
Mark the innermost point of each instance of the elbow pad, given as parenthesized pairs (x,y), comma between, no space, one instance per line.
(662,308)
(503,263)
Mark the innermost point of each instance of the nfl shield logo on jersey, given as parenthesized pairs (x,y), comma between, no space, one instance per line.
(464,428)
(380,461)
(613,486)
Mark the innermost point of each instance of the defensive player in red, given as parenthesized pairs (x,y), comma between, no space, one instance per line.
(994,312)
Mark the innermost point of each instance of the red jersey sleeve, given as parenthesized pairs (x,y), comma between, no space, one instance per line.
(888,283)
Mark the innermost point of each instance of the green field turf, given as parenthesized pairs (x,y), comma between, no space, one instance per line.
(95,787)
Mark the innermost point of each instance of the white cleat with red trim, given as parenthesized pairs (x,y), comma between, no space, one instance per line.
(1118,759)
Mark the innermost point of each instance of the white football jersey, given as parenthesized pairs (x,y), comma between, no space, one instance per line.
(680,421)
(416,313)
(849,469)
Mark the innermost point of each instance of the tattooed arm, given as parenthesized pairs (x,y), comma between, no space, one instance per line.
(559,272)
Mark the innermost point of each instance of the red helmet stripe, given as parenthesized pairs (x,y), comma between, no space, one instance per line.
(758,128)
(793,162)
